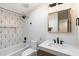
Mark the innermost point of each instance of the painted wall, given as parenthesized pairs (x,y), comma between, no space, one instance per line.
(38,30)
(10,28)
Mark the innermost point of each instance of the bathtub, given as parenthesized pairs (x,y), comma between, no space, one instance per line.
(15,50)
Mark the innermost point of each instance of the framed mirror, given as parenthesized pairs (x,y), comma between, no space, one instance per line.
(59,21)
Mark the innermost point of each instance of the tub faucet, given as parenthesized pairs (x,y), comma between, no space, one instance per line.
(25,39)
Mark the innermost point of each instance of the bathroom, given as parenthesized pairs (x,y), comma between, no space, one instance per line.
(25,29)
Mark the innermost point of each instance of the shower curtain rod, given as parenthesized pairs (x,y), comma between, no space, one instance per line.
(10,11)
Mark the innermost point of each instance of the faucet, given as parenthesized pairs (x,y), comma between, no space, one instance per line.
(25,39)
(58,41)
(61,42)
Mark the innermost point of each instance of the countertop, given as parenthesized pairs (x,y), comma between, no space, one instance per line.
(59,50)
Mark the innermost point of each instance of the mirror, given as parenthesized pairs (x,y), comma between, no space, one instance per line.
(59,21)
(53,22)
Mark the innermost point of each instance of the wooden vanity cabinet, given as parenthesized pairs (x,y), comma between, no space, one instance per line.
(44,53)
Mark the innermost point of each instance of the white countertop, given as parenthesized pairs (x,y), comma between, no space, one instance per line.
(60,50)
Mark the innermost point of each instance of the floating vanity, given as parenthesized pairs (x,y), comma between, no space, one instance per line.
(48,48)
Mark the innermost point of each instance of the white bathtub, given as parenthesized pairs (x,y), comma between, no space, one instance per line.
(15,50)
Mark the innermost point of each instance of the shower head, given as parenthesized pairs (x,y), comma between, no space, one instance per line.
(23,17)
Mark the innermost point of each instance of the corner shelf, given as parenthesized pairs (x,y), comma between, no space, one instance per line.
(6,27)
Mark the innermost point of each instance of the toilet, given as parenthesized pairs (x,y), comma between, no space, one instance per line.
(32,51)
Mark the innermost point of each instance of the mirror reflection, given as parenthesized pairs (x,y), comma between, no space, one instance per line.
(59,21)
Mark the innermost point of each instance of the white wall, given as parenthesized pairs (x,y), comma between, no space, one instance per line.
(39,27)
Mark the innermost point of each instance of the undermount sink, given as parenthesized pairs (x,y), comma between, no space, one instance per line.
(57,45)
(63,46)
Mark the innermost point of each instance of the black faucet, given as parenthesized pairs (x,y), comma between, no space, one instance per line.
(54,41)
(58,40)
(61,42)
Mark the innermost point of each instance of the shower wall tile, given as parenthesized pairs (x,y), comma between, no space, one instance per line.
(10,28)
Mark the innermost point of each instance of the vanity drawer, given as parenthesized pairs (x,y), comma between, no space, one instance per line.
(43,53)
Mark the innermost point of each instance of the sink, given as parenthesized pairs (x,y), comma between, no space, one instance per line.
(57,45)
(57,49)
(63,46)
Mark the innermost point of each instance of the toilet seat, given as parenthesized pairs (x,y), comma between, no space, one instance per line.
(28,52)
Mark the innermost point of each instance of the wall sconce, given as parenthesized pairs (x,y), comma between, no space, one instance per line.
(77,21)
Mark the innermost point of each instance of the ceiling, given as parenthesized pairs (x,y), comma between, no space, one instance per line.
(21,8)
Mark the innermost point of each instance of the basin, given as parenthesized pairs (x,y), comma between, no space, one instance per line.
(57,45)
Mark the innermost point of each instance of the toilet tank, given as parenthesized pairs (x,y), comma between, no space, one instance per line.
(33,44)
